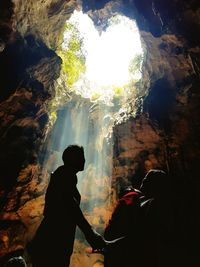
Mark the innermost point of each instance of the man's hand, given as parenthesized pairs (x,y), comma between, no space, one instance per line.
(96,240)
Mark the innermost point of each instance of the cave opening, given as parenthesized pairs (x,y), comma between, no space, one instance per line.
(101,75)
(101,72)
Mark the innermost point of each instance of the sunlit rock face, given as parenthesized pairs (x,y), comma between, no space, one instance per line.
(28,69)
(166,104)
(163,133)
(44,19)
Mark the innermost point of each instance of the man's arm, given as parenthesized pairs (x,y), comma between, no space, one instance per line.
(93,238)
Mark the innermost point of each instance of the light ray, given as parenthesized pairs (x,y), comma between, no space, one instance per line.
(89,124)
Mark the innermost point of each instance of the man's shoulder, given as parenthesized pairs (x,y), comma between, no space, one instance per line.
(64,177)
(60,170)
(56,176)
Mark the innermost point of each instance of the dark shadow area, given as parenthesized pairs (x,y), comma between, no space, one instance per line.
(6,12)
(15,60)
(159,103)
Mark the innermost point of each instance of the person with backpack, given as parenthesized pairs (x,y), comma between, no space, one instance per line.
(143,219)
(52,245)
(122,231)
(156,220)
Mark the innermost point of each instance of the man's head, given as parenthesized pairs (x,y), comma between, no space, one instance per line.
(17,261)
(73,157)
(155,183)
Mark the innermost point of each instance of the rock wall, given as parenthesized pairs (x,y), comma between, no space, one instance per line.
(165,132)
(29,68)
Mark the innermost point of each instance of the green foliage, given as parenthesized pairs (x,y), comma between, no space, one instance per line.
(135,64)
(117,19)
(73,59)
(95,96)
(74,45)
(51,113)
(72,66)
(118,90)
(53,117)
(69,27)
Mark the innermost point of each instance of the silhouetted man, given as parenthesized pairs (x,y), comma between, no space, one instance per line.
(53,243)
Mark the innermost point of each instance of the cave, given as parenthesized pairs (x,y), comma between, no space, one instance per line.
(153,123)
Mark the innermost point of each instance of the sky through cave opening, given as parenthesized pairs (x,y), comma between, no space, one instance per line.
(101,73)
(110,60)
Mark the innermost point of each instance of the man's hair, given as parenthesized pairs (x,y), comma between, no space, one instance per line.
(71,153)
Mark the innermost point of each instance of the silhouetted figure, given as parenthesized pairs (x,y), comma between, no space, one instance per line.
(17,261)
(124,223)
(156,220)
(14,258)
(53,242)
